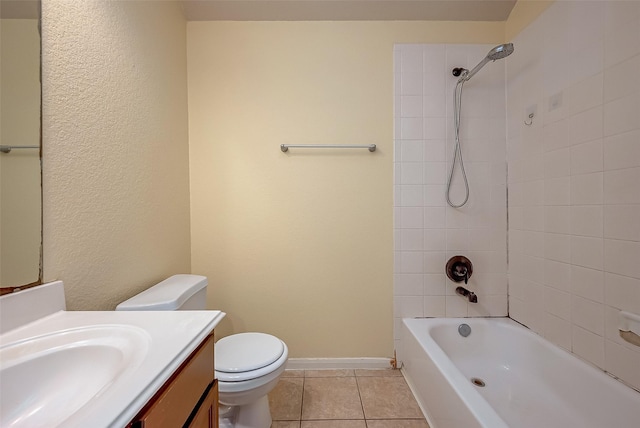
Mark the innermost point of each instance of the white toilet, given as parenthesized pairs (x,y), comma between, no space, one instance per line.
(247,365)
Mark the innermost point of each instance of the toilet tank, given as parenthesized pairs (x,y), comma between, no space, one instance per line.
(177,293)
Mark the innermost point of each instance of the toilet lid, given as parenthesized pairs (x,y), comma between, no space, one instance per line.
(245,352)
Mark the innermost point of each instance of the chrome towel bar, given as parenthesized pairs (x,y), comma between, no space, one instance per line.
(7,149)
(285,147)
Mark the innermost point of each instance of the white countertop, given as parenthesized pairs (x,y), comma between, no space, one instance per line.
(170,337)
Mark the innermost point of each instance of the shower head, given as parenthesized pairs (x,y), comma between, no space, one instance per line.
(499,52)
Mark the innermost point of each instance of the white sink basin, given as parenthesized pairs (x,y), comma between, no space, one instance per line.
(46,379)
(97,369)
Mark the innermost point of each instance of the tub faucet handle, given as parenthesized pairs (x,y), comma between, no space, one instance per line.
(459,268)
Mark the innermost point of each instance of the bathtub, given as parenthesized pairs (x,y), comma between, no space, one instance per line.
(528,382)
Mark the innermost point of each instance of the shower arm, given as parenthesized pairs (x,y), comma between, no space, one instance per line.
(469,74)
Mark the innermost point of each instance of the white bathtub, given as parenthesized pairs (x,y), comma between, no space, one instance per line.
(529,382)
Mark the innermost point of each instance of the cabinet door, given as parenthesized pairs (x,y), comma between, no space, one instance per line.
(173,404)
(207,415)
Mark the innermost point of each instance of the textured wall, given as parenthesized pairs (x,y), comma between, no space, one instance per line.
(20,169)
(299,244)
(574,200)
(116,186)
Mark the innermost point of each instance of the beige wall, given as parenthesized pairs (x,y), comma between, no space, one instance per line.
(20,169)
(300,244)
(116,191)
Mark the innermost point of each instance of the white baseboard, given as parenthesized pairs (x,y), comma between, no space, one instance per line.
(338,363)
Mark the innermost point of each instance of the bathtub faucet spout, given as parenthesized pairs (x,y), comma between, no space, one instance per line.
(470,295)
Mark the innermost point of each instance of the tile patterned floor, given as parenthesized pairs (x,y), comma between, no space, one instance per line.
(344,399)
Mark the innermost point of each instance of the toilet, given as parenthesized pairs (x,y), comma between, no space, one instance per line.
(247,365)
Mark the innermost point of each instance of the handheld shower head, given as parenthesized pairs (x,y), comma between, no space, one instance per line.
(499,52)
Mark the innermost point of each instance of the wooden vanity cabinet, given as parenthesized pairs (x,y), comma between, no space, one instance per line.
(188,399)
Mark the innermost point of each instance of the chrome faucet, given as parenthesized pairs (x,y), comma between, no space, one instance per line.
(470,295)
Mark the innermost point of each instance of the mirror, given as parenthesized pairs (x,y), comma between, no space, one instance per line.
(20,154)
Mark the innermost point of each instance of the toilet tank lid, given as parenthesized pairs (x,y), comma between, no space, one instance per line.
(167,295)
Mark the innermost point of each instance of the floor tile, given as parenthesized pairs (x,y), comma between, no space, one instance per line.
(387,398)
(285,400)
(397,423)
(285,424)
(293,373)
(378,372)
(335,424)
(331,398)
(328,373)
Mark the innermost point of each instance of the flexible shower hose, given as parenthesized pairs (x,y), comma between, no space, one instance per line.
(457,152)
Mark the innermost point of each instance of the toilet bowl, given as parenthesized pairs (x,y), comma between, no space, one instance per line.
(247,365)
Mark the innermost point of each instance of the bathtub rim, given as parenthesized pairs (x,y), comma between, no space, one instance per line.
(423,331)
(484,413)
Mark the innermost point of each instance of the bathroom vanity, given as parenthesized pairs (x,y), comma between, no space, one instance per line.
(189,398)
(104,368)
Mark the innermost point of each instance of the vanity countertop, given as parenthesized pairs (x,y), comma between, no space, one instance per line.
(159,342)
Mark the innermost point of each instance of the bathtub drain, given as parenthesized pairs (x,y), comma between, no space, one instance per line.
(477,382)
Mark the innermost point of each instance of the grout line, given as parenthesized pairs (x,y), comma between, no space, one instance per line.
(364,416)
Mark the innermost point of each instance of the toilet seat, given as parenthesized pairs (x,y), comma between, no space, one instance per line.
(246,356)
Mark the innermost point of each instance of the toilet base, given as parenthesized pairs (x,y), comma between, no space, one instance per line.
(252,415)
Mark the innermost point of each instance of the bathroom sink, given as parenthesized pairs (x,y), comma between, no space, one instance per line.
(47,379)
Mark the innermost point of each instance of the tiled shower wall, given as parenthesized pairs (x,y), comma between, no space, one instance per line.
(574,179)
(428,231)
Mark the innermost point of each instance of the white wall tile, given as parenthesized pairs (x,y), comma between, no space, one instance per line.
(557,163)
(587,220)
(585,94)
(409,195)
(621,257)
(622,43)
(557,247)
(587,283)
(408,307)
(616,79)
(411,83)
(435,151)
(434,284)
(557,275)
(558,331)
(456,306)
(588,345)
(409,262)
(434,306)
(557,191)
(587,157)
(622,114)
(557,303)
(623,363)
(587,252)
(410,106)
(621,186)
(411,128)
(435,240)
(621,222)
(557,219)
(409,217)
(586,126)
(622,292)
(622,150)
(407,284)
(587,189)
